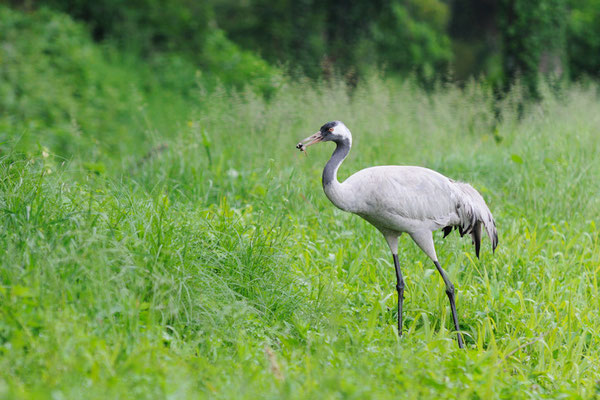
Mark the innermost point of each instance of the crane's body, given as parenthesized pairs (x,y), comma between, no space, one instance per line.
(404,199)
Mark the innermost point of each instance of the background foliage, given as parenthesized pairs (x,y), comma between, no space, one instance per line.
(534,39)
(466,38)
(583,38)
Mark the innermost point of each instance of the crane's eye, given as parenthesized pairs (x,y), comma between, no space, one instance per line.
(330,129)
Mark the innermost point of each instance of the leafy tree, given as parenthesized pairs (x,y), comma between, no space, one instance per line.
(231,40)
(343,35)
(583,36)
(285,31)
(145,25)
(410,36)
(476,44)
(181,28)
(534,39)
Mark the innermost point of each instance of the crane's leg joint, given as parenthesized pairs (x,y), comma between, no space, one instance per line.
(400,287)
(450,290)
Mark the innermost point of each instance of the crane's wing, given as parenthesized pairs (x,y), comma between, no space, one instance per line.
(409,198)
(409,192)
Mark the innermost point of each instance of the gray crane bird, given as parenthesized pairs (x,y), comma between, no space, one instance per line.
(398,199)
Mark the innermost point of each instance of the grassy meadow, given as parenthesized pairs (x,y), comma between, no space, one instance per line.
(165,241)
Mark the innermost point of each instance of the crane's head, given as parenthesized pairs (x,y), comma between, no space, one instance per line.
(334,131)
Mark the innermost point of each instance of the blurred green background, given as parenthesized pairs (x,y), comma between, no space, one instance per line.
(241,42)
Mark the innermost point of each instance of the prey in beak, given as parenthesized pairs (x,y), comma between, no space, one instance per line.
(316,138)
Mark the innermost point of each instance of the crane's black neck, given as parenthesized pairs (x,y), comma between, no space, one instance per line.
(339,154)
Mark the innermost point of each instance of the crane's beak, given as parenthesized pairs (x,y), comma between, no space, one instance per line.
(316,138)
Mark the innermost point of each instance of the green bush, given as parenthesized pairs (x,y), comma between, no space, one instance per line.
(320,38)
(584,38)
(410,37)
(534,40)
(86,98)
(145,25)
(228,63)
(153,28)
(53,78)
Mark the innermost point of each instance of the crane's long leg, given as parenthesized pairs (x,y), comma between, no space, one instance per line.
(400,289)
(424,240)
(450,292)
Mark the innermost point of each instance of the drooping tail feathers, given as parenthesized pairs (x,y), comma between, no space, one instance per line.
(473,212)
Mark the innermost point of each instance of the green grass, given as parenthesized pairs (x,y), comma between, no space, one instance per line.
(189,251)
